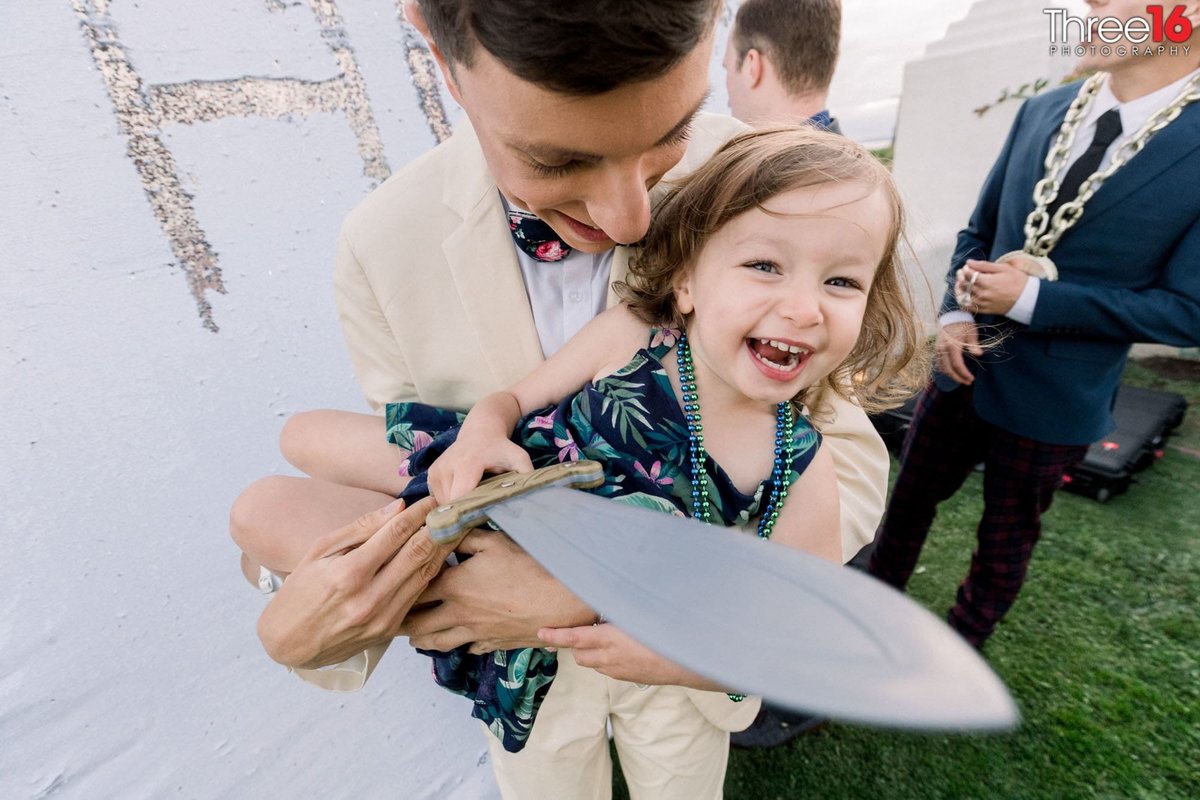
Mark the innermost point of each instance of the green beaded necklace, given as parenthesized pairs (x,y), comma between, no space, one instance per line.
(691,414)
(783,452)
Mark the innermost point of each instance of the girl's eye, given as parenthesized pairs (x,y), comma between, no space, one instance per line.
(763,266)
(848,283)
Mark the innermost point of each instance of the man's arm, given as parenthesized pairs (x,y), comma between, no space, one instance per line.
(975,240)
(381,368)
(1168,312)
(957,334)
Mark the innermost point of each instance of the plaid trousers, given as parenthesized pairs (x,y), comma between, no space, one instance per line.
(945,441)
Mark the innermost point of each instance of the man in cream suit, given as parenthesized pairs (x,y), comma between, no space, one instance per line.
(440,305)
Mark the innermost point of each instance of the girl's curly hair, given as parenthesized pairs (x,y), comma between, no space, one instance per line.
(891,359)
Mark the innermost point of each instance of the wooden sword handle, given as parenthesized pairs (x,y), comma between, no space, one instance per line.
(450,522)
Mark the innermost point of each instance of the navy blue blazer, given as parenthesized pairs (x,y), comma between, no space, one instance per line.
(1129,271)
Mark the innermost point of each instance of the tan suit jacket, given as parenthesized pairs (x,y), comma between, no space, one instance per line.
(434,308)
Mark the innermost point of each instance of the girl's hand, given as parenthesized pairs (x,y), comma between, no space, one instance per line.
(460,468)
(612,652)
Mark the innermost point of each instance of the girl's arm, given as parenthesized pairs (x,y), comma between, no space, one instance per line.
(811,516)
(614,653)
(605,343)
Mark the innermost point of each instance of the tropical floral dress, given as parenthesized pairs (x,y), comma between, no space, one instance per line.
(632,423)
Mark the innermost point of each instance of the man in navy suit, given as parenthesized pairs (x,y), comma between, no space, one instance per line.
(1126,249)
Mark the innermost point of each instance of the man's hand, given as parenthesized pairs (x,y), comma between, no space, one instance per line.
(985,287)
(497,599)
(953,341)
(353,588)
(612,652)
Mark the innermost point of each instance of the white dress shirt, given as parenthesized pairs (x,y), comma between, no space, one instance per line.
(1134,115)
(564,295)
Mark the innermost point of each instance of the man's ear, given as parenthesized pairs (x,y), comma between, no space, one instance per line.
(416,18)
(754,66)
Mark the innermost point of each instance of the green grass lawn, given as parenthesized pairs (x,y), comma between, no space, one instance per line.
(1101,653)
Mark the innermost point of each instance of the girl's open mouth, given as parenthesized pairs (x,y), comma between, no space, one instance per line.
(776,359)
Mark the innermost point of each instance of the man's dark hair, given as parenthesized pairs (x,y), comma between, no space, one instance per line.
(800,37)
(579,47)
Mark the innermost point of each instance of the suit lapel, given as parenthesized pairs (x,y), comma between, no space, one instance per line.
(1165,150)
(483,264)
(1058,112)
(1042,135)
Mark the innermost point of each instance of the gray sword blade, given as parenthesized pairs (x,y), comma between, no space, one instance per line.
(760,617)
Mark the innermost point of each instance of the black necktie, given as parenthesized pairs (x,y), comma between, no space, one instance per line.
(1108,128)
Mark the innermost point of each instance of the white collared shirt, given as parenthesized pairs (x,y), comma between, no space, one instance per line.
(563,295)
(1134,115)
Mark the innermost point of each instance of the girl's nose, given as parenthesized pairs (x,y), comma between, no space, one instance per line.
(801,306)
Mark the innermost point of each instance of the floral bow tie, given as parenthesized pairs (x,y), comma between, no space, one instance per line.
(536,237)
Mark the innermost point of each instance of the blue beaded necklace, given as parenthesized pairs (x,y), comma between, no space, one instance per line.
(691,414)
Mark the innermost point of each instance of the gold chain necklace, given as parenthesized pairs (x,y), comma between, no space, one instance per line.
(1042,231)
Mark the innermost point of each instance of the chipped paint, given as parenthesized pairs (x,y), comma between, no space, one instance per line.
(155,165)
(425,78)
(143,110)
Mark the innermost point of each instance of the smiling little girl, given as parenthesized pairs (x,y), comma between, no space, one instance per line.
(769,277)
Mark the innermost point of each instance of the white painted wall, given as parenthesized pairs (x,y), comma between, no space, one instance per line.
(128,661)
(878,37)
(943,149)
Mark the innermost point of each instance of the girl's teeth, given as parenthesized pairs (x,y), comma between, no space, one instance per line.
(791,362)
(778,345)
